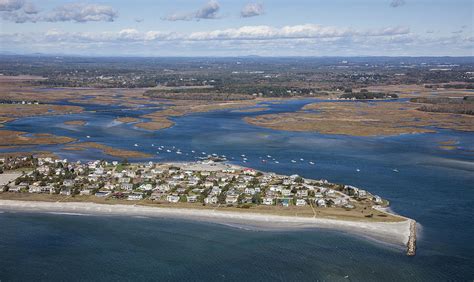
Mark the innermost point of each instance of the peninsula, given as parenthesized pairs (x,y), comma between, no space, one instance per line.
(204,190)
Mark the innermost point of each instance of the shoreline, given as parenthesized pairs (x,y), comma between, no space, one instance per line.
(394,233)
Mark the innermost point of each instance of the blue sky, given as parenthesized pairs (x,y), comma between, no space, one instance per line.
(235,28)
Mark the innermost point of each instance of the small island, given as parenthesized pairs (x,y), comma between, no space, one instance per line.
(75,122)
(204,190)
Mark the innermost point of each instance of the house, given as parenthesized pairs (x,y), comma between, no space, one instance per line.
(341,201)
(362,193)
(231,199)
(301,202)
(65,191)
(302,193)
(378,199)
(211,200)
(124,180)
(135,197)
(157,195)
(17,188)
(268,201)
(68,182)
(215,190)
(146,187)
(163,187)
(40,189)
(85,192)
(172,198)
(249,171)
(286,192)
(191,198)
(127,186)
(321,203)
(249,191)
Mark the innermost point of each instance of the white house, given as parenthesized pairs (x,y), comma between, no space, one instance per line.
(172,198)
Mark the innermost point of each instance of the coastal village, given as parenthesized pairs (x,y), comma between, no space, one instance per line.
(207,182)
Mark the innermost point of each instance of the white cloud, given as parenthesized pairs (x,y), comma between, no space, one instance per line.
(152,43)
(295,31)
(11,5)
(397,3)
(77,12)
(30,9)
(208,11)
(252,10)
(80,12)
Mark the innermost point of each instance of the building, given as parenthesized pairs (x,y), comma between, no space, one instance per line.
(135,197)
(301,202)
(211,200)
(172,198)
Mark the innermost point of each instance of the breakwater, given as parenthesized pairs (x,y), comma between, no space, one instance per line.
(411,245)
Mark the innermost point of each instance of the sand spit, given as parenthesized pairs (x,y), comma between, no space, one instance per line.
(397,233)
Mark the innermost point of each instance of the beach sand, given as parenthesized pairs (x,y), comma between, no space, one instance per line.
(395,233)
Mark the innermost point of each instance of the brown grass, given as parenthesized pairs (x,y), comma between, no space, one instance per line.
(127,119)
(363,119)
(119,153)
(75,122)
(17,138)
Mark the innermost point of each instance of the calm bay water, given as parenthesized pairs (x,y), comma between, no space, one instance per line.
(433,186)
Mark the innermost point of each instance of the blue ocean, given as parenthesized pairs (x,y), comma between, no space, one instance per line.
(422,181)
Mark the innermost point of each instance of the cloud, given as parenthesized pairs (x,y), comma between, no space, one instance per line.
(11,5)
(296,40)
(252,10)
(77,12)
(242,34)
(80,12)
(208,11)
(296,31)
(397,3)
(30,9)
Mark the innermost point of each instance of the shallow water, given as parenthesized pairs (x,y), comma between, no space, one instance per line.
(433,186)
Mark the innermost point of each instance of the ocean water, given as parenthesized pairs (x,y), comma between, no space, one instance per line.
(433,186)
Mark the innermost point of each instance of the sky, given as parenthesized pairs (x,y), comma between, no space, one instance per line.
(238,28)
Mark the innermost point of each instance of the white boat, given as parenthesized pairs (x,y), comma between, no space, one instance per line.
(268,156)
(277,162)
(357,170)
(193,151)
(136,145)
(169,151)
(245,159)
(203,153)
(88,136)
(178,152)
(153,145)
(395,170)
(293,161)
(311,163)
(301,159)
(243,156)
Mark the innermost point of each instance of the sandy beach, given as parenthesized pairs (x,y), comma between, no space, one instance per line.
(396,233)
